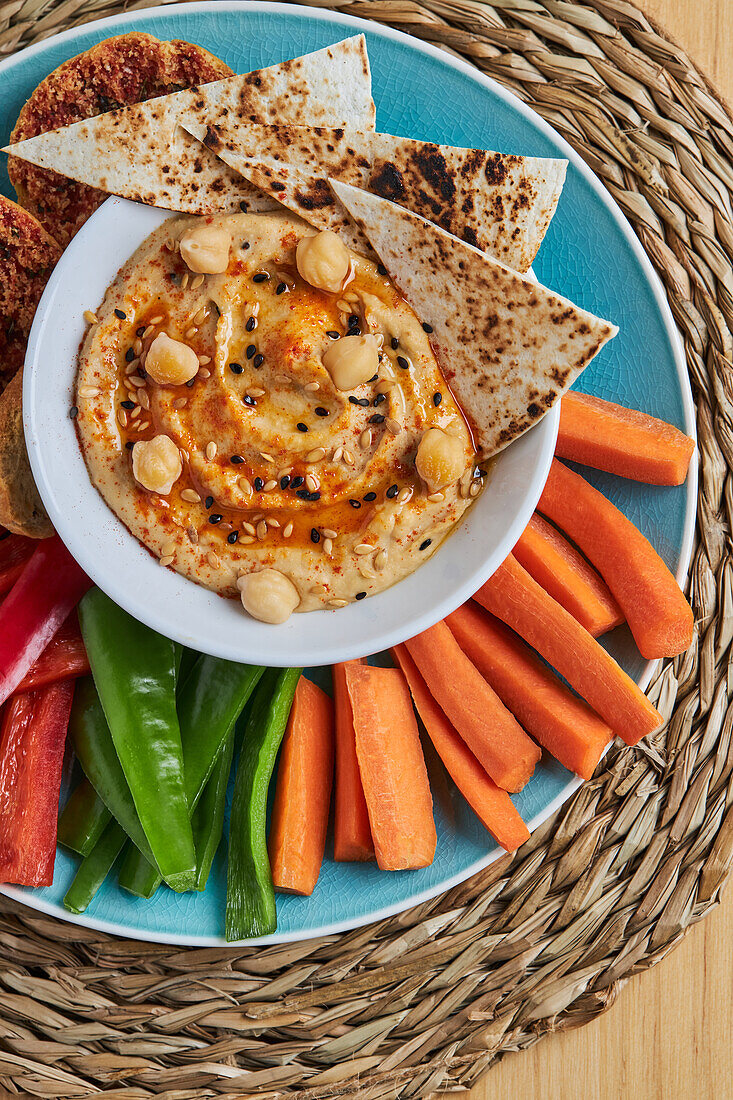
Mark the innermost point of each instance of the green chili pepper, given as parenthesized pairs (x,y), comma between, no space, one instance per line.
(83,819)
(94,869)
(137,875)
(209,703)
(134,670)
(100,763)
(208,817)
(250,908)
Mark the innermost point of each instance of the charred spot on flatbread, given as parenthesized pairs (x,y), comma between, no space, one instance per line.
(126,69)
(27,257)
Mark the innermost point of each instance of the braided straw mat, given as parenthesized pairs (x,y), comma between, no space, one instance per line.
(428,1000)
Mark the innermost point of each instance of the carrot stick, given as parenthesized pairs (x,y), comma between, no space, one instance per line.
(656,610)
(297,837)
(622,441)
(567,576)
(493,806)
(473,708)
(559,720)
(352,838)
(515,598)
(392,768)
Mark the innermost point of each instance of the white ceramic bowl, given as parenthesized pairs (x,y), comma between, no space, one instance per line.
(177,607)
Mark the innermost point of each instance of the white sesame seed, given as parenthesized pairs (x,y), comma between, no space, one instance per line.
(90,318)
(213,560)
(196,282)
(156,320)
(337,603)
(338,454)
(122,418)
(392,426)
(204,373)
(168,549)
(244,484)
(384,386)
(269,486)
(311,387)
(132,366)
(261,530)
(258,517)
(190,332)
(141,426)
(184,280)
(318,589)
(226,527)
(367,573)
(253,391)
(193,535)
(266,457)
(344,305)
(316,455)
(137,380)
(312,482)
(190,495)
(287,530)
(328,533)
(143,399)
(364,548)
(247,540)
(248,527)
(327,546)
(272,522)
(475,489)
(166,560)
(351,297)
(404,494)
(204,359)
(348,458)
(380,559)
(211,450)
(136,412)
(88,391)
(436,497)
(365,439)
(201,315)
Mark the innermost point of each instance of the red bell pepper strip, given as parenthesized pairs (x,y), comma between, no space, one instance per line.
(48,589)
(15,550)
(32,740)
(64,658)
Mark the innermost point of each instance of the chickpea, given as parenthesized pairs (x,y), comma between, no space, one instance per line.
(156,464)
(170,362)
(440,458)
(205,249)
(324,261)
(268,595)
(352,360)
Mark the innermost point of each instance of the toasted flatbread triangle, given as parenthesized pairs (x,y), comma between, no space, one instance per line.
(508,348)
(140,151)
(501,203)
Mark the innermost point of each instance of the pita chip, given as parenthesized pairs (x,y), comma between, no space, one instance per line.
(507,347)
(141,153)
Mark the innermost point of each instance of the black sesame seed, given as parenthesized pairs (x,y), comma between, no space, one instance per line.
(247,400)
(232,537)
(424,545)
(243,206)
(301,426)
(353,330)
(478,472)
(393,491)
(314,496)
(284,482)
(370,496)
(437,398)
(379,399)
(121,314)
(297,482)
(381,269)
(332,334)
(281,288)
(217,311)
(303,494)
(190,382)
(236,368)
(360,596)
(320,411)
(363,402)
(395,343)
(73,412)
(139,331)
(260,277)
(250,324)
(251,350)
(208,502)
(258,483)
(236,459)
(377,418)
(215,518)
(129,355)
(402,362)
(244,245)
(315,535)
(354,503)
(127,404)
(373,378)
(427,328)
(353,319)
(129,445)
(258,361)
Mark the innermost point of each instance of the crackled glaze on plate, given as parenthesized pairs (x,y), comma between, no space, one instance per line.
(590,255)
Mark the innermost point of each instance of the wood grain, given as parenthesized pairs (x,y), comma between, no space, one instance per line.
(668,1035)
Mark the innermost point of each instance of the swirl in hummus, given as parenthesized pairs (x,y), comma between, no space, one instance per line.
(264,412)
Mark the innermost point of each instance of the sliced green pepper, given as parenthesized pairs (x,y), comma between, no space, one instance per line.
(83,819)
(94,869)
(137,875)
(250,908)
(208,817)
(134,670)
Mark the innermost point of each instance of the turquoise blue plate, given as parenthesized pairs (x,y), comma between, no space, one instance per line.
(590,255)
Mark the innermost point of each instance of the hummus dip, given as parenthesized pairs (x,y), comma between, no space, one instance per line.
(265,414)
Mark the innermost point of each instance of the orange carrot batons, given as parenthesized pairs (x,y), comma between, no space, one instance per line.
(655,607)
(567,576)
(622,441)
(473,708)
(515,598)
(548,710)
(392,767)
(493,806)
(303,793)
(352,838)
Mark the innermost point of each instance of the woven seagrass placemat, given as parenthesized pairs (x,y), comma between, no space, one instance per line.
(426,1001)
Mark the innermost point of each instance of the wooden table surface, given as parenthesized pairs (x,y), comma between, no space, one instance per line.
(668,1036)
